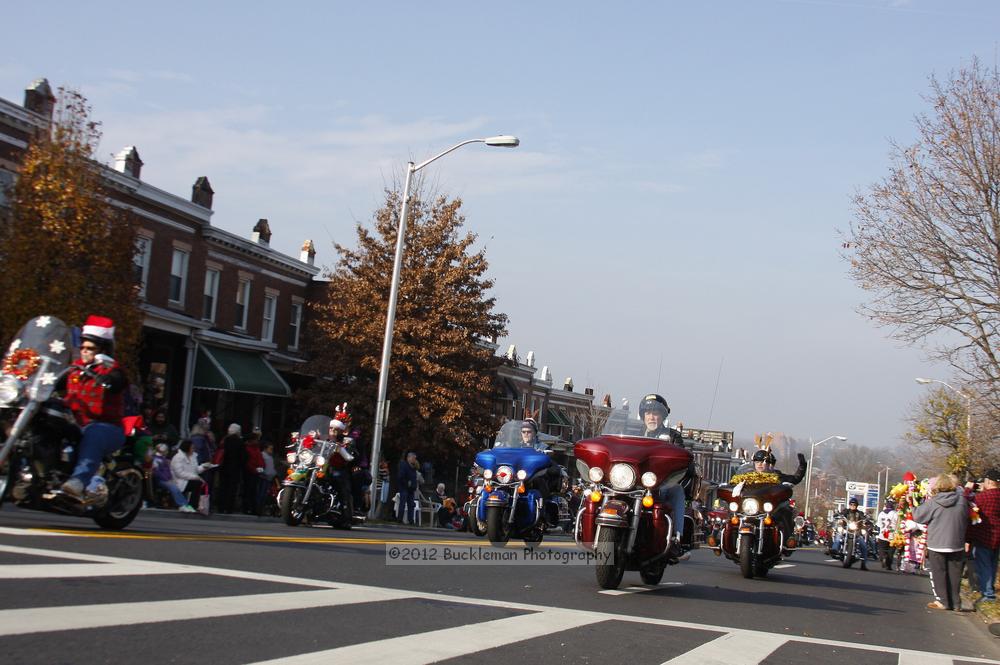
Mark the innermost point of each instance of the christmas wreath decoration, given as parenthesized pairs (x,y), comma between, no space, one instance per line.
(21,363)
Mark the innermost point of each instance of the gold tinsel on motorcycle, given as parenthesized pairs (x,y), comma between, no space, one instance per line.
(755,478)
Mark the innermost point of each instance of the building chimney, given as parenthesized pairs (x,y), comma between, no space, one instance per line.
(308,254)
(201,193)
(588,391)
(568,386)
(261,233)
(512,353)
(38,97)
(530,360)
(128,162)
(546,374)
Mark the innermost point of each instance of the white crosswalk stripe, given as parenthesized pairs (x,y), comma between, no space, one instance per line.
(733,646)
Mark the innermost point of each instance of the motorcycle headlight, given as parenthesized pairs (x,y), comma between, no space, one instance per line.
(864,532)
(487,474)
(320,460)
(751,506)
(596,474)
(521,474)
(853,526)
(648,479)
(505,474)
(768,506)
(306,456)
(733,506)
(10,389)
(290,457)
(622,476)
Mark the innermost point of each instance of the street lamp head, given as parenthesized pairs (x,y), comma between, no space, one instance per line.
(924,381)
(503,141)
(840,438)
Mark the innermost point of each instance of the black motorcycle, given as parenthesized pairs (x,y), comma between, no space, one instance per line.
(853,534)
(317,485)
(39,452)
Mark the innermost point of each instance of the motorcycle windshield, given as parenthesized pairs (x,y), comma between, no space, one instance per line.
(509,436)
(39,353)
(625,421)
(317,426)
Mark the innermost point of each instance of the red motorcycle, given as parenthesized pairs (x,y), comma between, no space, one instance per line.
(752,536)
(619,518)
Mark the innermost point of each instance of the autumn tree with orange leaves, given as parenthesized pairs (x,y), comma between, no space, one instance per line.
(441,376)
(64,249)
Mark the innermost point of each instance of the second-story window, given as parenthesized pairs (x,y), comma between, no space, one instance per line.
(178,276)
(143,249)
(211,294)
(294,325)
(267,327)
(242,303)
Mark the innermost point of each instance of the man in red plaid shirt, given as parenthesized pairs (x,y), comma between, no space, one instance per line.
(985,536)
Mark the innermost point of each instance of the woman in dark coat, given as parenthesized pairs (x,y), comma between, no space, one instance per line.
(234,459)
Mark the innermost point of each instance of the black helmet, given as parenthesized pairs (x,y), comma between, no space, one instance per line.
(764,455)
(653,402)
(853,500)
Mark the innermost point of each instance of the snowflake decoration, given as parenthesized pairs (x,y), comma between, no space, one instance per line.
(48,379)
(57,346)
(14,346)
(43,321)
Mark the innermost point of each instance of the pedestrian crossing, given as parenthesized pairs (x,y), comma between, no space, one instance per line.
(557,633)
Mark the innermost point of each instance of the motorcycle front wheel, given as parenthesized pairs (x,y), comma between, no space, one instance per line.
(746,555)
(124,500)
(610,560)
(653,574)
(496,529)
(291,506)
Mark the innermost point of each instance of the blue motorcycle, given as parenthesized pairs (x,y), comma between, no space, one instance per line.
(518,475)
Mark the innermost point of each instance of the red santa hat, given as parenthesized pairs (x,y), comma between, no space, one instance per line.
(908,477)
(99,328)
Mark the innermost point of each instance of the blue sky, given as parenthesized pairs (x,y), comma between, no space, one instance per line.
(683,172)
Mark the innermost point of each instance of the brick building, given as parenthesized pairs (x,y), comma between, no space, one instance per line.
(223,314)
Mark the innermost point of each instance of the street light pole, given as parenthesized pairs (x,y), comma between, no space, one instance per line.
(809,471)
(381,405)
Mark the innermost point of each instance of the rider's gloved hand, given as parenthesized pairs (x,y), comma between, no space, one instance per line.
(103,360)
(802,458)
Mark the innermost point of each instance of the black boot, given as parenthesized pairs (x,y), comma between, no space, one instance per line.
(864,566)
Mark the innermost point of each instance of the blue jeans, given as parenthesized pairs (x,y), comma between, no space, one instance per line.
(175,492)
(674,495)
(986,570)
(99,440)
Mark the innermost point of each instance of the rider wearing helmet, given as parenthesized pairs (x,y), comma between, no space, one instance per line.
(94,393)
(763,462)
(653,412)
(853,514)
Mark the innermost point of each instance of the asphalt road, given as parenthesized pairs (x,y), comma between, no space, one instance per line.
(175,589)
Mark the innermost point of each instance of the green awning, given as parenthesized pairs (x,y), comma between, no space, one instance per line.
(556,418)
(237,371)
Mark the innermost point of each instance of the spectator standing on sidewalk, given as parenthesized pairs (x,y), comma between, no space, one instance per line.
(253,474)
(234,457)
(886,524)
(163,431)
(946,514)
(267,477)
(985,536)
(406,476)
